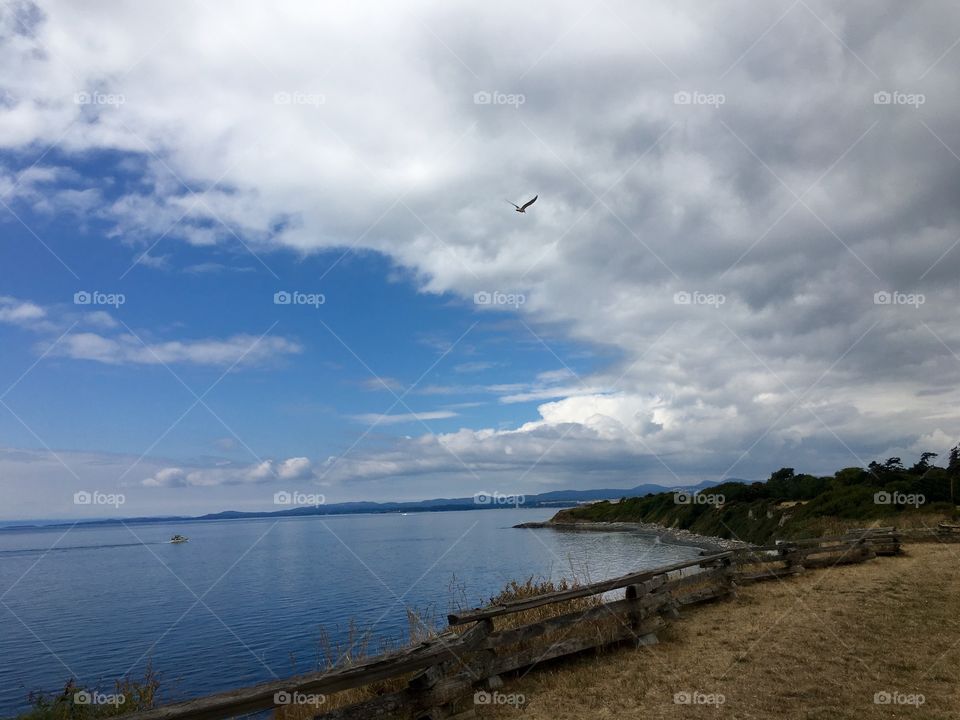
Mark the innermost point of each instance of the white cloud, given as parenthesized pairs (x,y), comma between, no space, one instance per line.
(266,471)
(560,375)
(99,319)
(382,384)
(167,477)
(59,323)
(797,361)
(474,366)
(158,262)
(54,319)
(539,392)
(129,349)
(20,312)
(381,419)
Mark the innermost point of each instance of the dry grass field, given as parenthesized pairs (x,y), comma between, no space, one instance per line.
(821,645)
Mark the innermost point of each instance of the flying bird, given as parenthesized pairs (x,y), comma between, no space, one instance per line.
(528,203)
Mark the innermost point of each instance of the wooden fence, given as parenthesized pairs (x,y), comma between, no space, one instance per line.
(944,532)
(437,678)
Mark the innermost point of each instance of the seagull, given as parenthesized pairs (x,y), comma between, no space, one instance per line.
(528,203)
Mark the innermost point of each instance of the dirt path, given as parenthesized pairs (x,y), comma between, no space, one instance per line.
(818,646)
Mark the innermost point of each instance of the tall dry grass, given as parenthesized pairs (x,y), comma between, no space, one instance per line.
(361,644)
(132,695)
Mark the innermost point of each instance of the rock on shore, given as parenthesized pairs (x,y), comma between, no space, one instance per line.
(675,536)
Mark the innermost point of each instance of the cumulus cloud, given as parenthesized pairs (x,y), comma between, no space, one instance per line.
(291,469)
(739,202)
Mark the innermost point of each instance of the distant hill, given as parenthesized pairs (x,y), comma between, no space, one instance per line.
(554,498)
(491,501)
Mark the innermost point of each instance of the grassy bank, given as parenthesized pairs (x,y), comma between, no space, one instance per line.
(792,505)
(818,646)
(75,702)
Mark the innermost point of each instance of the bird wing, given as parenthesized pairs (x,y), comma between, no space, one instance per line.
(514,204)
(528,203)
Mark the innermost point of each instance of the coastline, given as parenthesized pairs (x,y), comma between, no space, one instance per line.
(672,536)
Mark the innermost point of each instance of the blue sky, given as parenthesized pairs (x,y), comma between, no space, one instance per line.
(741,258)
(374,360)
(373,326)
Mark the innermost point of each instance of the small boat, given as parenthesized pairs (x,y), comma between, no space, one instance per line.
(177,539)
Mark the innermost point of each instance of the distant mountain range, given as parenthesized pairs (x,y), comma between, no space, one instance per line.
(492,501)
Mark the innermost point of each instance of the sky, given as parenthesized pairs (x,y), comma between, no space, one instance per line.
(248,248)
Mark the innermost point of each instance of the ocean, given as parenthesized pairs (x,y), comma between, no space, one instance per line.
(249,600)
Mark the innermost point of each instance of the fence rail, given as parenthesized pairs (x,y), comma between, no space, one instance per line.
(483,643)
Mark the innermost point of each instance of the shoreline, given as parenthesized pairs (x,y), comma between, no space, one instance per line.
(672,536)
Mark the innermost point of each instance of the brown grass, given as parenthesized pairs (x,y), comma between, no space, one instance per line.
(829,526)
(357,646)
(532,588)
(817,646)
(521,591)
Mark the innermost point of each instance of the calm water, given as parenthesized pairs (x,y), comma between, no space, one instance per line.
(245,600)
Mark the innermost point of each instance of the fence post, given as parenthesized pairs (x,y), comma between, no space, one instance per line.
(730,578)
(637,615)
(422,684)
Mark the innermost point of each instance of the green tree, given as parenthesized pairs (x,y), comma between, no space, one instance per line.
(953,470)
(923,464)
